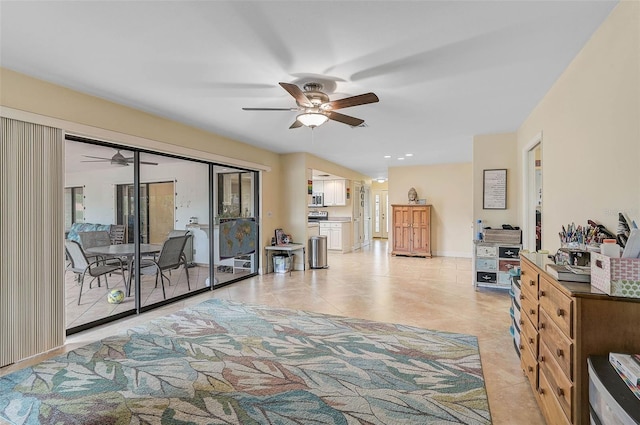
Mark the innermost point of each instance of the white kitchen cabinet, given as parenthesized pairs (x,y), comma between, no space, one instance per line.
(337,234)
(335,192)
(318,186)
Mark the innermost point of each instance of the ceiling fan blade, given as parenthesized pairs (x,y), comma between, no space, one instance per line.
(296,124)
(270,109)
(98,160)
(297,94)
(97,157)
(361,99)
(148,163)
(345,119)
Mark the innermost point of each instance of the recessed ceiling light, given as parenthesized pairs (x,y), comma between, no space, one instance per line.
(408,154)
(401,158)
(380,180)
(387,156)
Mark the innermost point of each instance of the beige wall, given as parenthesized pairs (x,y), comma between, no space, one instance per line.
(590,124)
(494,151)
(283,185)
(23,93)
(447,187)
(295,175)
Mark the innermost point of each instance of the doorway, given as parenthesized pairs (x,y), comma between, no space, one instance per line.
(533,184)
(380,214)
(366,218)
(157,203)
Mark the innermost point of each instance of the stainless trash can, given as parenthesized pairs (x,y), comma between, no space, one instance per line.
(318,252)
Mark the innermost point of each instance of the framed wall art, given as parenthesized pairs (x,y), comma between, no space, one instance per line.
(280,237)
(494,191)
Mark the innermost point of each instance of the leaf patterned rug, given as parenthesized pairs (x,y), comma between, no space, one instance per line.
(224,362)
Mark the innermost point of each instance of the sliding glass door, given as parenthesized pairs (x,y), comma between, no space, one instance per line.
(236,224)
(177,226)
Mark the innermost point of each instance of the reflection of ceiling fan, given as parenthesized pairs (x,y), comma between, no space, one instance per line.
(316,108)
(117,159)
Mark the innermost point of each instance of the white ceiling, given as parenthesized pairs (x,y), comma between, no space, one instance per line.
(444,70)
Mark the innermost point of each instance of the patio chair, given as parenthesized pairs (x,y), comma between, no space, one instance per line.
(117,234)
(94,238)
(83,267)
(171,257)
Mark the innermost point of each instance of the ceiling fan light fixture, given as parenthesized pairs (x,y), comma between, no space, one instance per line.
(312,119)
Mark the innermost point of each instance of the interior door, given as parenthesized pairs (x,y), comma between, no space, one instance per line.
(161,211)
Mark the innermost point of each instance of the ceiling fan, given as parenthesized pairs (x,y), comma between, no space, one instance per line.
(117,159)
(316,108)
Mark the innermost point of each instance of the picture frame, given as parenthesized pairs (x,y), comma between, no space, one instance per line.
(279,237)
(494,189)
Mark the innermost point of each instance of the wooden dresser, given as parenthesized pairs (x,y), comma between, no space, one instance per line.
(562,323)
(411,230)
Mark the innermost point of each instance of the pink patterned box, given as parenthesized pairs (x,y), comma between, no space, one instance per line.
(619,277)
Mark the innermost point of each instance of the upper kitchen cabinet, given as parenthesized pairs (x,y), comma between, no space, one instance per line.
(318,186)
(335,192)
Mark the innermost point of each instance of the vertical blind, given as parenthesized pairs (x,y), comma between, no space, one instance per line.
(31,240)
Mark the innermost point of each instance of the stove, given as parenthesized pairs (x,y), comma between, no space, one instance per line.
(317,216)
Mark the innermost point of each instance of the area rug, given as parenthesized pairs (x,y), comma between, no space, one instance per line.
(224,362)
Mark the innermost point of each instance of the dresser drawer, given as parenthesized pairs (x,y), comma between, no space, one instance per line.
(508,252)
(557,305)
(486,251)
(558,381)
(529,337)
(529,365)
(529,280)
(506,265)
(486,264)
(550,405)
(486,277)
(560,346)
(529,308)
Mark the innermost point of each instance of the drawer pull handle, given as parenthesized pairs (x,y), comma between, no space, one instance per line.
(530,368)
(521,347)
(540,391)
(541,293)
(541,359)
(560,312)
(560,392)
(521,322)
(532,283)
(521,297)
(532,312)
(559,352)
(541,325)
(530,340)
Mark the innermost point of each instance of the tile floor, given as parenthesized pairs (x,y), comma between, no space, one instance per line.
(431,293)
(93,305)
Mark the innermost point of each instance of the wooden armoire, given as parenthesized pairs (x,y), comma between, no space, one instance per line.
(411,230)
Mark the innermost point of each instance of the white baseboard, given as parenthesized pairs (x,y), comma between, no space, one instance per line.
(458,254)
